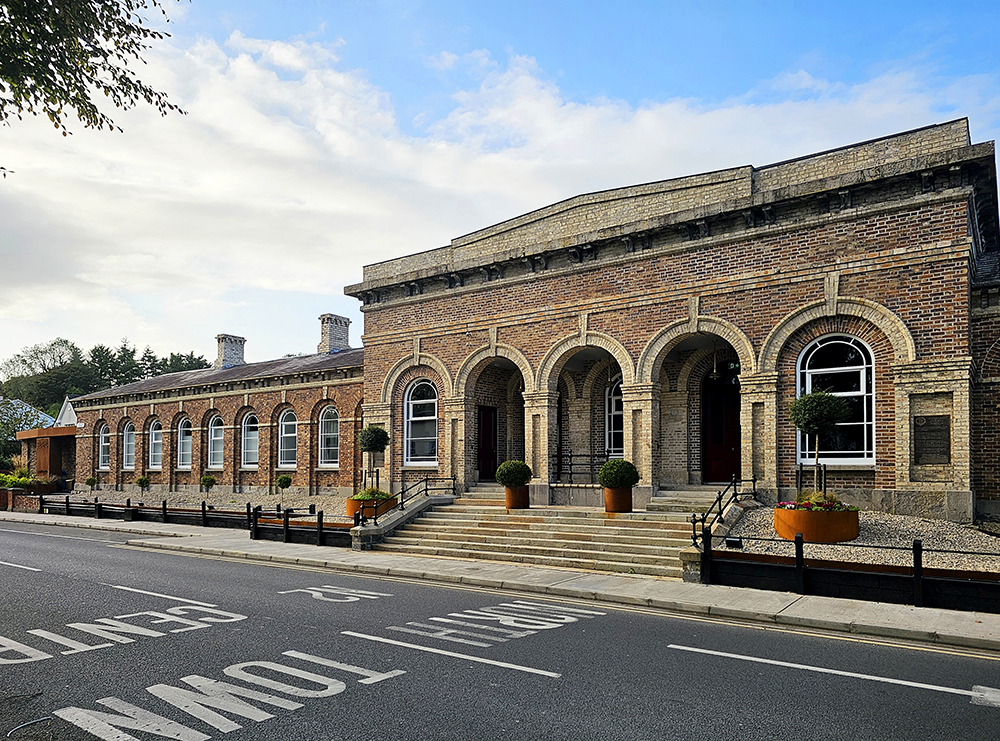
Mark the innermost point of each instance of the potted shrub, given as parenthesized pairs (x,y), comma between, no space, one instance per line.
(374,501)
(821,518)
(208,482)
(815,414)
(618,476)
(143,483)
(283,482)
(91,482)
(514,477)
(372,439)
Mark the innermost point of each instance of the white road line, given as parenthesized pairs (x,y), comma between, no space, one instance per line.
(157,594)
(442,652)
(18,566)
(53,535)
(979,695)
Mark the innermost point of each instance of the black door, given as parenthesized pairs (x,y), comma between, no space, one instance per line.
(720,431)
(487,443)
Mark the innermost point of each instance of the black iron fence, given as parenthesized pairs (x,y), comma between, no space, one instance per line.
(914,584)
(371,510)
(205,516)
(568,467)
(300,526)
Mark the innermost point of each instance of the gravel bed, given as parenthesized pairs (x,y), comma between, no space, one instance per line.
(332,506)
(883,531)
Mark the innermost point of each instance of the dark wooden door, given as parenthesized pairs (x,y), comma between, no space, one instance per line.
(487,443)
(720,431)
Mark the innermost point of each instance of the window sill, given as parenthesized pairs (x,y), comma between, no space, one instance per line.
(182,470)
(286,468)
(328,467)
(408,466)
(247,469)
(840,466)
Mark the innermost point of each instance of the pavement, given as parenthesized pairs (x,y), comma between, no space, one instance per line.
(974,630)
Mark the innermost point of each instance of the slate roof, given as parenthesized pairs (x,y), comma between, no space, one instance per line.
(352,358)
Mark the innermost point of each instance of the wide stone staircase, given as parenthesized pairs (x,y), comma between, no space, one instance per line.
(478,525)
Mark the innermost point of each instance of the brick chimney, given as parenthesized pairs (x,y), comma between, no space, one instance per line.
(230,351)
(333,333)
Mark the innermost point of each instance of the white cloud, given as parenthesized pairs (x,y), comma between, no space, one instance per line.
(288,174)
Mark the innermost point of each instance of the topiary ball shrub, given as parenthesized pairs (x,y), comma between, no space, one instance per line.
(513,473)
(283,481)
(618,474)
(208,482)
(373,439)
(142,482)
(91,482)
(371,493)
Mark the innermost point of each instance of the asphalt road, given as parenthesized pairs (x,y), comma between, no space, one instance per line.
(111,642)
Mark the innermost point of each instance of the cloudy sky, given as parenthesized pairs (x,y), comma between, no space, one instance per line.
(321,136)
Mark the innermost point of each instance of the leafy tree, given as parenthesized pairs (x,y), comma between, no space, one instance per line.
(55,54)
(149,363)
(818,413)
(41,357)
(177,362)
(127,367)
(102,360)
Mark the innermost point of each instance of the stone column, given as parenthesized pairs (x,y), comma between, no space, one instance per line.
(540,437)
(641,404)
(759,431)
(933,425)
(456,459)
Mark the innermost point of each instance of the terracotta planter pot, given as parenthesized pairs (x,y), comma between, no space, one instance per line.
(354,505)
(618,500)
(516,497)
(816,527)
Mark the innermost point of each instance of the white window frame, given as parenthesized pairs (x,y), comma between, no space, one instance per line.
(329,438)
(156,445)
(185,446)
(104,448)
(128,447)
(288,439)
(216,443)
(409,405)
(866,392)
(250,442)
(611,414)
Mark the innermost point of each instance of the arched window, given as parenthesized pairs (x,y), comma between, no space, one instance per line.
(842,366)
(421,424)
(251,441)
(215,442)
(128,446)
(184,444)
(614,421)
(329,437)
(156,445)
(287,439)
(104,448)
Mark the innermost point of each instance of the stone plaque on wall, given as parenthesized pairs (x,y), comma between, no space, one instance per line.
(932,439)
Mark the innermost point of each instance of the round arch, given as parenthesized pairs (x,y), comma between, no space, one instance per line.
(664,341)
(555,358)
(415,361)
(473,365)
(599,371)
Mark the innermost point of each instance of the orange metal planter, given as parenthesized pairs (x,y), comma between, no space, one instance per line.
(816,527)
(516,497)
(618,500)
(354,505)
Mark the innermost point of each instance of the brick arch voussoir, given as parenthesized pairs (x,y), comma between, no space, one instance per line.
(660,345)
(870,313)
(552,363)
(391,381)
(468,373)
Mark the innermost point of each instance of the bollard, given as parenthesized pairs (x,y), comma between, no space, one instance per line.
(284,526)
(800,565)
(97,510)
(67,505)
(918,573)
(254,534)
(706,554)
(248,515)
(319,527)
(164,511)
(204,514)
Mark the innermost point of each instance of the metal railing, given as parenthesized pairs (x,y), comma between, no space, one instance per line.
(718,508)
(371,510)
(577,468)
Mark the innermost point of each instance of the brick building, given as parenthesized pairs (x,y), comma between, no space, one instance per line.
(671,323)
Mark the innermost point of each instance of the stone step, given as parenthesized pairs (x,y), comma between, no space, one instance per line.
(593,518)
(654,553)
(666,570)
(673,530)
(666,538)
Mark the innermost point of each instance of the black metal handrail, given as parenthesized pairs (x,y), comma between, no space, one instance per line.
(572,464)
(718,507)
(421,487)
